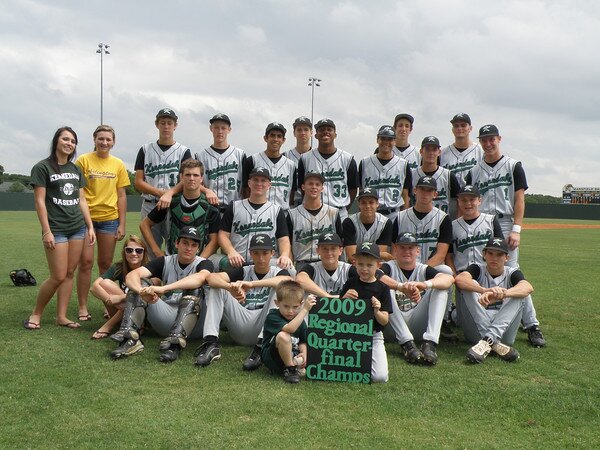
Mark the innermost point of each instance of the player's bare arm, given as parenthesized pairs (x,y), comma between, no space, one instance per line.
(145,188)
(514,238)
(146,229)
(439,256)
(295,323)
(310,286)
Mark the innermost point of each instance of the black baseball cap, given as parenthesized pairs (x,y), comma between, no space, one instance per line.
(496,243)
(488,130)
(461,117)
(261,241)
(312,174)
(386,131)
(427,182)
(260,172)
(469,189)
(430,140)
(330,239)
(222,117)
(406,116)
(190,233)
(166,112)
(325,123)
(368,248)
(275,126)
(302,120)
(406,239)
(367,192)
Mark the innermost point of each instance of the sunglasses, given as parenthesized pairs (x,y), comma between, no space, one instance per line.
(130,250)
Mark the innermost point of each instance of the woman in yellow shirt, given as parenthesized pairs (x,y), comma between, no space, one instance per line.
(106,179)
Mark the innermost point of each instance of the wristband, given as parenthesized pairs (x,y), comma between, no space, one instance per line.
(429,284)
(46,234)
(516,228)
(399,286)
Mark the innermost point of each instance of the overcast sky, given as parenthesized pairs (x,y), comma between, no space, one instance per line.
(530,67)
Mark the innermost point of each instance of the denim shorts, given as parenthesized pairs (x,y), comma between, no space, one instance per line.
(78,235)
(106,227)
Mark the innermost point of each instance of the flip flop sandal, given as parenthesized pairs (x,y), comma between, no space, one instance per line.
(28,325)
(100,335)
(71,325)
(84,317)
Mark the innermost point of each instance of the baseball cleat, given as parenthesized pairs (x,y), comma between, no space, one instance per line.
(429,355)
(291,375)
(170,354)
(535,336)
(479,351)
(411,353)
(447,333)
(207,353)
(505,352)
(127,348)
(254,361)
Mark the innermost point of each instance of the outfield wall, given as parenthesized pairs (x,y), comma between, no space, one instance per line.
(24,202)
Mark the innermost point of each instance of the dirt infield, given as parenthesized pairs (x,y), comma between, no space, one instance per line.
(556,226)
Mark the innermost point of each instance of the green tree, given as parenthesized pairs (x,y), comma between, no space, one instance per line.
(17,186)
(1,174)
(130,190)
(542,199)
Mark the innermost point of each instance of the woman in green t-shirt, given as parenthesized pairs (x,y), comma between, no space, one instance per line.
(65,219)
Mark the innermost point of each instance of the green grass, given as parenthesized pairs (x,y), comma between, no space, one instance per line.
(60,389)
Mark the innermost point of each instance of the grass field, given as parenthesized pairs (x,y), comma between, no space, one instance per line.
(60,389)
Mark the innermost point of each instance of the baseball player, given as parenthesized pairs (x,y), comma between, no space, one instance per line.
(490,307)
(387,174)
(303,134)
(447,184)
(338,167)
(157,170)
(367,225)
(222,163)
(188,209)
(244,218)
(420,294)
(403,126)
(240,299)
(283,170)
(463,154)
(310,220)
(502,183)
(175,316)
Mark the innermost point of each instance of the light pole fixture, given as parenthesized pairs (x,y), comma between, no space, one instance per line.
(102,49)
(312,82)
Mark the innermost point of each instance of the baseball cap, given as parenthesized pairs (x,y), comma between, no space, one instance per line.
(261,241)
(190,233)
(469,190)
(430,140)
(406,239)
(461,117)
(496,243)
(222,117)
(368,248)
(386,131)
(367,192)
(260,172)
(325,123)
(302,120)
(488,130)
(166,112)
(427,182)
(275,126)
(312,174)
(330,239)
(406,116)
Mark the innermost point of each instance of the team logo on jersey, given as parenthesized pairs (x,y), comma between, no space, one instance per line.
(280,180)
(308,236)
(381,183)
(334,175)
(461,166)
(230,167)
(152,170)
(428,236)
(68,189)
(477,240)
(500,180)
(253,227)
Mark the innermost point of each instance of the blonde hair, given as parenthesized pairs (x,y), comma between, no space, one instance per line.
(289,289)
(107,128)
(123,265)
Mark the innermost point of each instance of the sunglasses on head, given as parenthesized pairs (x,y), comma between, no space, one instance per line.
(139,251)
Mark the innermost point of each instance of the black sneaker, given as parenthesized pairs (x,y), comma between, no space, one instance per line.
(170,354)
(127,348)
(447,333)
(254,361)
(207,353)
(412,354)
(535,336)
(291,375)
(429,355)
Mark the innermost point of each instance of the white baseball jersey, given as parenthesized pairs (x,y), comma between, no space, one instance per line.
(161,169)
(248,221)
(173,272)
(223,172)
(332,284)
(308,228)
(427,230)
(418,274)
(496,185)
(335,171)
(468,240)
(257,297)
(282,178)
(411,155)
(486,280)
(373,233)
(459,163)
(442,178)
(387,180)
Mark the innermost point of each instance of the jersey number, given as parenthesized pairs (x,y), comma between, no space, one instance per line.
(340,190)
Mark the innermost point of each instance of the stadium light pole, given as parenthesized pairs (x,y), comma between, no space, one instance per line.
(102,49)
(312,82)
